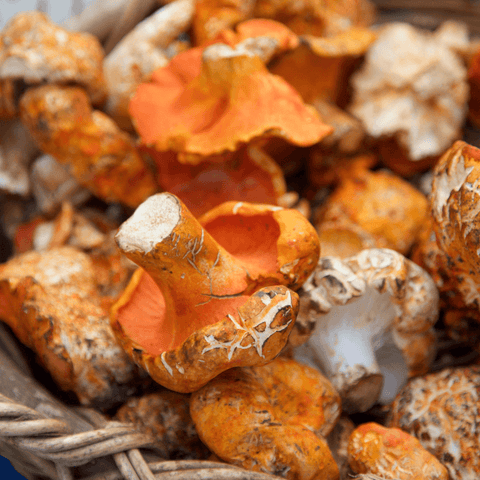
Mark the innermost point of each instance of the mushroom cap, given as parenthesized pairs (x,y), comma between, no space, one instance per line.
(392,453)
(454,206)
(234,415)
(442,411)
(36,50)
(249,175)
(101,156)
(288,257)
(254,333)
(412,73)
(201,104)
(53,304)
(194,293)
(357,305)
(383,205)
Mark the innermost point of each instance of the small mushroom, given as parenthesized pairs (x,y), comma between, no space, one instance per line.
(392,453)
(387,208)
(53,303)
(198,291)
(442,411)
(99,155)
(165,416)
(372,317)
(414,74)
(226,85)
(251,419)
(139,53)
(34,50)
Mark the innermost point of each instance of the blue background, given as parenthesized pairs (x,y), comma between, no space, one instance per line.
(7,471)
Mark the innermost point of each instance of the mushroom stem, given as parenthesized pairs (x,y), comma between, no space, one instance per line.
(352,368)
(187,265)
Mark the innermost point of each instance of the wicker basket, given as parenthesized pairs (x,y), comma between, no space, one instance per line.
(46,439)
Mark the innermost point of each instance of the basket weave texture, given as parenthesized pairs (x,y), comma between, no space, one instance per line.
(45,439)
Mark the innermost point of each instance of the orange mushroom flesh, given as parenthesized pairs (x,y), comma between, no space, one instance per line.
(101,157)
(249,175)
(191,288)
(206,102)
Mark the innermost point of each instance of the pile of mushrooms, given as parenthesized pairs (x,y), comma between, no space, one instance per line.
(250,229)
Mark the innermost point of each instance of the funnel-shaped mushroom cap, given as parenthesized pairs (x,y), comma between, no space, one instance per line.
(359,305)
(189,313)
(207,103)
(456,222)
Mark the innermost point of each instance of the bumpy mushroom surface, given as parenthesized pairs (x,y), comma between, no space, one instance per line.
(392,453)
(36,50)
(101,156)
(420,78)
(372,317)
(442,411)
(238,100)
(194,291)
(455,208)
(53,303)
(263,419)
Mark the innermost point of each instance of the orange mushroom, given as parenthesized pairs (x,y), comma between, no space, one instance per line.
(264,419)
(387,209)
(56,304)
(209,101)
(197,296)
(392,453)
(102,157)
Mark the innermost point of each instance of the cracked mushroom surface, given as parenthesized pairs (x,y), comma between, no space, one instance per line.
(35,50)
(238,98)
(210,295)
(100,155)
(414,74)
(455,208)
(264,419)
(442,411)
(372,317)
(392,453)
(53,303)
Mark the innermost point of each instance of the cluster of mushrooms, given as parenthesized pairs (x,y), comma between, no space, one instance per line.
(248,228)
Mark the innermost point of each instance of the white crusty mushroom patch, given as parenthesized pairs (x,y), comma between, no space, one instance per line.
(259,331)
(375,300)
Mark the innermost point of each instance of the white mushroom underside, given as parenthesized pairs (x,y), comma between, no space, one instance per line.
(152,222)
(348,338)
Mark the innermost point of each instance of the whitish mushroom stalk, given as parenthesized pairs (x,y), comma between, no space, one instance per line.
(141,52)
(373,316)
(412,87)
(17,150)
